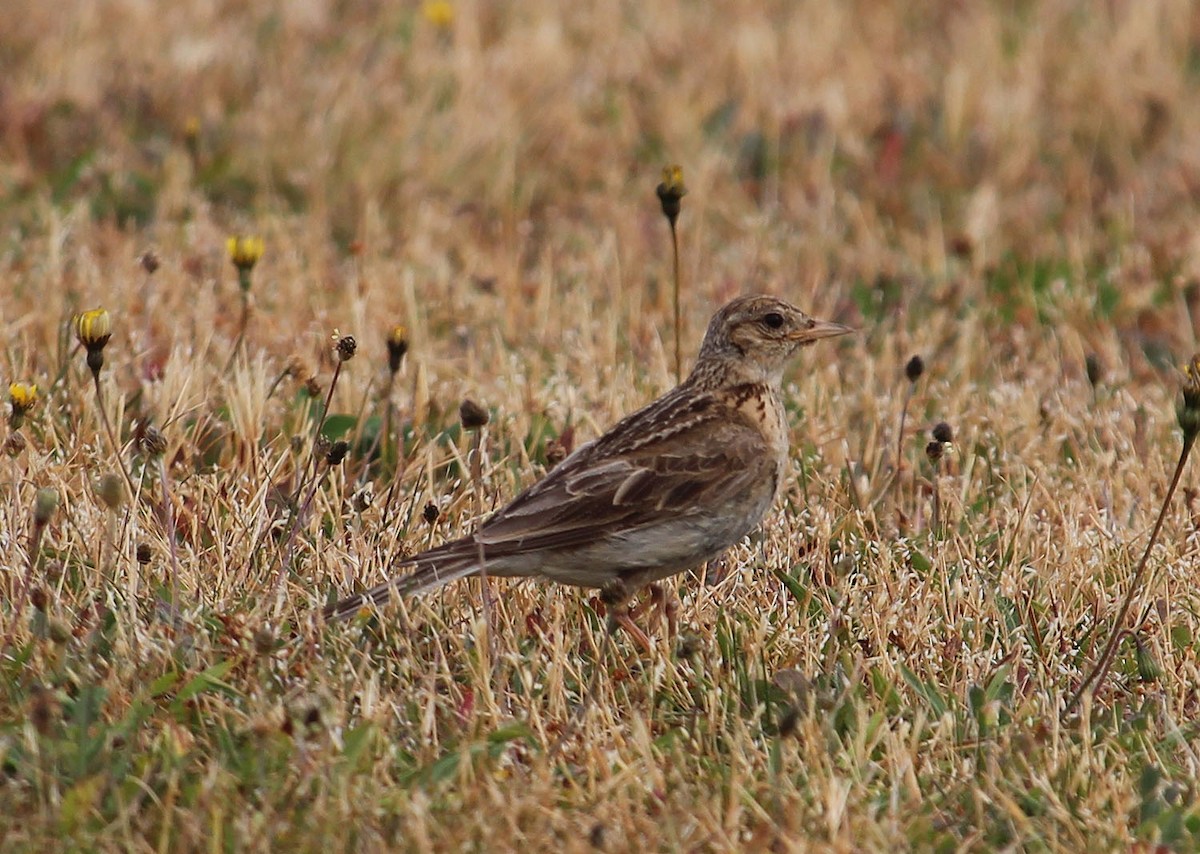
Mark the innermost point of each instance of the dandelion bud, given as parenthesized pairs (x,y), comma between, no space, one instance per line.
(1188,409)
(914,369)
(1149,670)
(44,505)
(472,415)
(93,328)
(670,192)
(397,347)
(59,632)
(110,489)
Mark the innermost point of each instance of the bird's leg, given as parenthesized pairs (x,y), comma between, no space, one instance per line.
(616,595)
(661,603)
(665,603)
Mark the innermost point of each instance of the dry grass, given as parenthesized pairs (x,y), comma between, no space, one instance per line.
(1005,188)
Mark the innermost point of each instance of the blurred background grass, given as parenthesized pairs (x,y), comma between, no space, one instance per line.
(1008,188)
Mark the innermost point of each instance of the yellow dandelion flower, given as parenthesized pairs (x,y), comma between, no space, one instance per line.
(244,251)
(440,13)
(93,328)
(22,396)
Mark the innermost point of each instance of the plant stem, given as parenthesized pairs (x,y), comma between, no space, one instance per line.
(1097,673)
(678,315)
(35,539)
(112,437)
(294,528)
(169,515)
(477,495)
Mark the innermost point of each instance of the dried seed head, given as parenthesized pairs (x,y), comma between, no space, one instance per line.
(312,387)
(943,433)
(914,369)
(670,192)
(431,513)
(397,347)
(337,452)
(789,722)
(472,415)
(38,598)
(43,709)
(110,489)
(44,505)
(14,443)
(149,262)
(690,645)
(144,553)
(322,445)
(934,451)
(362,498)
(151,442)
(346,347)
(264,641)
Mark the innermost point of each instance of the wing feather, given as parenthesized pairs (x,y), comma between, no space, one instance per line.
(711,458)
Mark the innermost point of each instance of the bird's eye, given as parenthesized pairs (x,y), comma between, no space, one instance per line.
(773,319)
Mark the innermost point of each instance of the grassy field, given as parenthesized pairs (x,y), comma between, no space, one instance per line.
(1007,189)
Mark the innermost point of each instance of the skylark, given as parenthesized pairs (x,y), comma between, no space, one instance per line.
(670,486)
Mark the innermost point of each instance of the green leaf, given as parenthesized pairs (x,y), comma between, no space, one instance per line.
(356,742)
(164,683)
(926,691)
(794,586)
(205,681)
(338,426)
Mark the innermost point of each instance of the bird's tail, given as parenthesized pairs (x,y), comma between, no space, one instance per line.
(433,569)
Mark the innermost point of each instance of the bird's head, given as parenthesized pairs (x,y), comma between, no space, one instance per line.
(755,336)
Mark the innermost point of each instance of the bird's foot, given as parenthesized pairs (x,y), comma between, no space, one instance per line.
(663,603)
(616,595)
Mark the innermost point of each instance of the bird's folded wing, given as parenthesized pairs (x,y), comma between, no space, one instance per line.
(588,497)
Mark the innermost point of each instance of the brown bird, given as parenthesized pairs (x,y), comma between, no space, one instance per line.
(670,486)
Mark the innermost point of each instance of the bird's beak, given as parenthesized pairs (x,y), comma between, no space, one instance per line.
(820,329)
